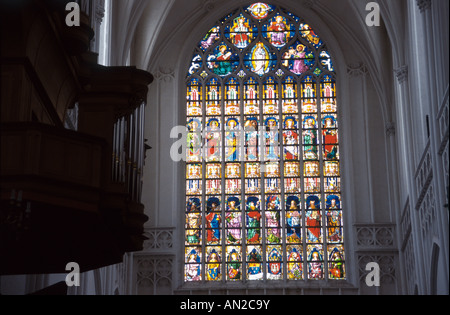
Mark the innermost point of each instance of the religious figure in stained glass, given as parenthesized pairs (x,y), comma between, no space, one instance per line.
(232,136)
(259,61)
(233,220)
(209,39)
(193,222)
(336,264)
(295,265)
(253,220)
(251,139)
(330,149)
(315,265)
(293,220)
(223,66)
(310,141)
(234,265)
(333,202)
(213,140)
(223,62)
(193,269)
(277,32)
(296,59)
(334,222)
(213,221)
(240,32)
(273,219)
(313,220)
(272,142)
(308,33)
(291,138)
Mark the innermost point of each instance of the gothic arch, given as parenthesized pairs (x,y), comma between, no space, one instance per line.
(434,269)
(170,57)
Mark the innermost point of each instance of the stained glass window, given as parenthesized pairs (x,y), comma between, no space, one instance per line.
(263,186)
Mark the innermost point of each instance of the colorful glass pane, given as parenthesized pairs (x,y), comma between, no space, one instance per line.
(278,31)
(260,10)
(213,264)
(308,33)
(210,38)
(240,32)
(298,58)
(274,263)
(294,262)
(254,263)
(196,64)
(193,264)
(223,61)
(263,185)
(260,59)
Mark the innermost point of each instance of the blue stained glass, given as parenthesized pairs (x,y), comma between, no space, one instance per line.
(291,15)
(226,18)
(325,61)
(196,64)
(333,202)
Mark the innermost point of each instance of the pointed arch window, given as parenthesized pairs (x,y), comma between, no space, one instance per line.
(263,194)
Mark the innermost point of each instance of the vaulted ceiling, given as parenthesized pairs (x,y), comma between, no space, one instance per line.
(151,34)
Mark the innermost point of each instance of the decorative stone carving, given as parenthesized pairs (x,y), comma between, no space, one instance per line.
(208,5)
(443,118)
(309,4)
(424,5)
(390,129)
(99,13)
(407,247)
(165,74)
(375,236)
(405,224)
(387,267)
(154,274)
(359,69)
(424,175)
(410,265)
(427,211)
(445,163)
(401,74)
(158,240)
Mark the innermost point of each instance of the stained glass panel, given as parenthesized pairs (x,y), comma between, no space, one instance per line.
(213,261)
(260,10)
(263,185)
(260,59)
(240,32)
(298,58)
(278,31)
(210,38)
(223,60)
(294,262)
